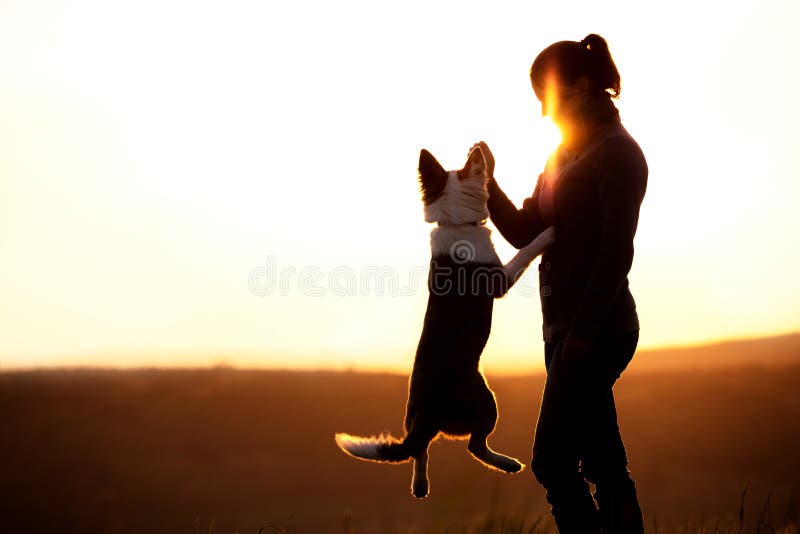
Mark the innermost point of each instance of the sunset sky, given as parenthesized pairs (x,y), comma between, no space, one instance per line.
(193,183)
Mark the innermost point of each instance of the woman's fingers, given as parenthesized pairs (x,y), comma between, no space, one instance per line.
(487,155)
(483,146)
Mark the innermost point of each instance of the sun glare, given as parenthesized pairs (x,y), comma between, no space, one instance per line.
(550,134)
(166,169)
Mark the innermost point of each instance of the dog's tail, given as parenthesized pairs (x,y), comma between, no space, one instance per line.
(383,448)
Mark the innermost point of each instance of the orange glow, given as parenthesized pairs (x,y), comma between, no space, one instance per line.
(552,134)
(550,102)
(145,179)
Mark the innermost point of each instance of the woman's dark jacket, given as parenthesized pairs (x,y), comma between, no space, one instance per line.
(583,275)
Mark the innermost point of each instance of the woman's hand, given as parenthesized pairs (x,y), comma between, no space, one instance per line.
(487,156)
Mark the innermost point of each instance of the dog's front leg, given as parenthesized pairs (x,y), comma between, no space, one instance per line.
(527,254)
(419,481)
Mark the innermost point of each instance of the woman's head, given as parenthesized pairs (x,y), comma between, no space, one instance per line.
(571,78)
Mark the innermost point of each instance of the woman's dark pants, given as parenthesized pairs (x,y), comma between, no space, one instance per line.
(578,440)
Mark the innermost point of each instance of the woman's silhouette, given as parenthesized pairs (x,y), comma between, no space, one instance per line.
(591,190)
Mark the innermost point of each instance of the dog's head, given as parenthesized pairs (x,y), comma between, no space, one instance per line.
(454,197)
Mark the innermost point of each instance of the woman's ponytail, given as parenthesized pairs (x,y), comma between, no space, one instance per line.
(569,60)
(601,68)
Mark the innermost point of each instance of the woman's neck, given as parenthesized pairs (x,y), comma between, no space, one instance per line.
(577,134)
(578,131)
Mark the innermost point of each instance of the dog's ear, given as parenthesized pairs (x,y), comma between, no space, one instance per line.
(432,177)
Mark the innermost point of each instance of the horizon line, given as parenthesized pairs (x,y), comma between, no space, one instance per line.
(221,361)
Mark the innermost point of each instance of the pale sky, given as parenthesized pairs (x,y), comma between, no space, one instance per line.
(157,157)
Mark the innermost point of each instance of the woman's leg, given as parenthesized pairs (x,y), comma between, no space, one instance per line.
(603,456)
(555,452)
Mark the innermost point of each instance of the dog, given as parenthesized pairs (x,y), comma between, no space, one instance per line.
(447,392)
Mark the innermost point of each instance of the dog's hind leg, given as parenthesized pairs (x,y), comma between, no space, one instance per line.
(419,480)
(481,451)
(418,440)
(485,419)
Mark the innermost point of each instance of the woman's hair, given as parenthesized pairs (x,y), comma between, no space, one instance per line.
(569,60)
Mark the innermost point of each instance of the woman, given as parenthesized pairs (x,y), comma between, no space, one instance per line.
(591,190)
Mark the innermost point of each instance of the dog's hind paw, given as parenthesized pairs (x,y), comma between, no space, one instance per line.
(419,489)
(494,460)
(512,466)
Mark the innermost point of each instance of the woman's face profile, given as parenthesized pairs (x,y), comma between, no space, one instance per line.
(560,102)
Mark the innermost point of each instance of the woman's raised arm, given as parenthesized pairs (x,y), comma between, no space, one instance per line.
(518,226)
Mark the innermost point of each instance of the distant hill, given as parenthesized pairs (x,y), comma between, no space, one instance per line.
(766,351)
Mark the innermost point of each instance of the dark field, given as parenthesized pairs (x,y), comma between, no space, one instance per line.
(151,450)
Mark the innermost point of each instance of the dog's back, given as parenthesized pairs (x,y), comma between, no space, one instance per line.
(458,316)
(446,382)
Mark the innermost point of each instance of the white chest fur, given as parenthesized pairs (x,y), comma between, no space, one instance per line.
(464,243)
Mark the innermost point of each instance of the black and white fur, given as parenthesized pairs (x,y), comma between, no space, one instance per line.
(447,391)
